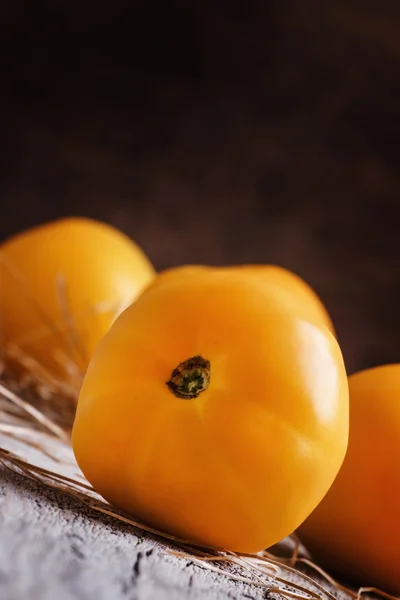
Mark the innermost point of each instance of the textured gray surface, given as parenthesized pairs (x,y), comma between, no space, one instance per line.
(51,547)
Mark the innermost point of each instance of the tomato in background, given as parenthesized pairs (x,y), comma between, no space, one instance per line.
(61,287)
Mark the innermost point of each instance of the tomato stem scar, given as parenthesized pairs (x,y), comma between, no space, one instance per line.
(190,378)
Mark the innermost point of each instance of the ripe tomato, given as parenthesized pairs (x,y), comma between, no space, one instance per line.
(356,528)
(210,412)
(62,285)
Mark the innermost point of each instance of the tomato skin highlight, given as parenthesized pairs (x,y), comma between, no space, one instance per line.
(241,464)
(67,278)
(356,527)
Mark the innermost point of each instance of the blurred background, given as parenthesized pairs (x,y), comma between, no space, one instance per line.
(218,132)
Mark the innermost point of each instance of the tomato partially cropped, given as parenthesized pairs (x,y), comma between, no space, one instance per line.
(356,528)
(62,285)
(211,413)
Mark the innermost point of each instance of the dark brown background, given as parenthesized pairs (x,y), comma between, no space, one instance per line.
(218,132)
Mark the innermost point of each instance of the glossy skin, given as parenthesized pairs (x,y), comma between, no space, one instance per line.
(293,291)
(356,528)
(72,269)
(241,465)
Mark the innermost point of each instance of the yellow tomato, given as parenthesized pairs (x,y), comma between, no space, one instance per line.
(62,285)
(356,528)
(293,291)
(211,413)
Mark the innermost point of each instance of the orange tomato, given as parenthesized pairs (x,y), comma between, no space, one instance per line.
(293,291)
(62,285)
(211,413)
(356,528)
